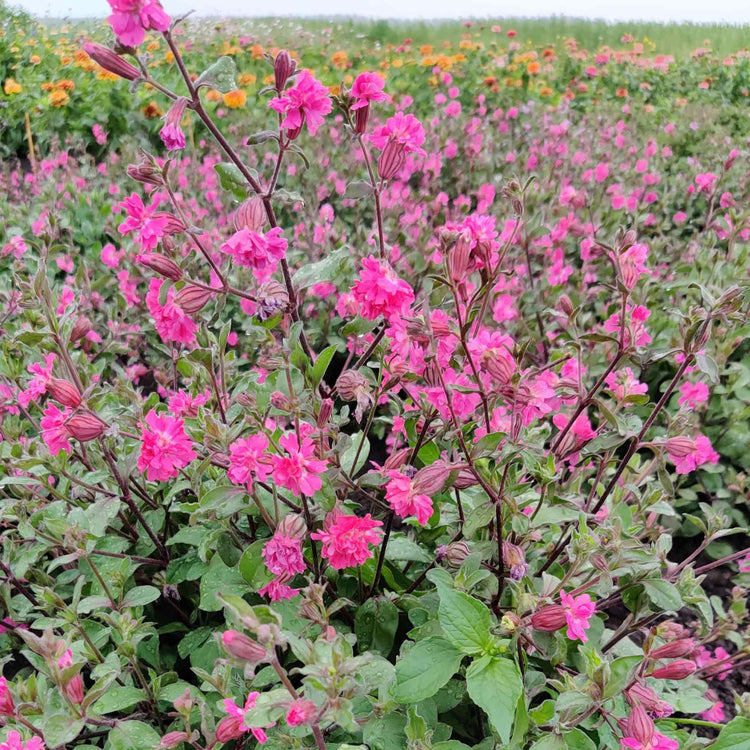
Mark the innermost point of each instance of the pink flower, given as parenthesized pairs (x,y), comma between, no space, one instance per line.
(277,590)
(404,500)
(234,724)
(368,87)
(745,564)
(140,218)
(706,182)
(306,102)
(578,612)
(622,384)
(54,432)
(283,555)
(38,385)
(172,323)
(248,460)
(379,291)
(171,134)
(703,454)
(182,404)
(405,130)
(693,394)
(658,742)
(638,317)
(261,252)
(632,264)
(13,742)
(302,711)
(131,18)
(7,707)
(347,539)
(165,448)
(715,713)
(298,471)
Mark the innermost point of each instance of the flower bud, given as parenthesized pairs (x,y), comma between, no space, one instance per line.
(192,298)
(397,459)
(565,304)
(173,224)
(456,553)
(515,560)
(458,259)
(676,670)
(80,328)
(292,525)
(281,401)
(500,366)
(242,647)
(673,650)
(465,479)
(184,702)
(146,173)
(160,264)
(111,62)
(272,299)
(85,426)
(172,739)
(7,707)
(250,215)
(680,446)
(229,728)
(392,160)
(549,618)
(431,479)
(361,117)
(510,621)
(640,726)
(671,631)
(351,383)
(74,690)
(302,711)
(283,68)
(326,409)
(650,701)
(64,392)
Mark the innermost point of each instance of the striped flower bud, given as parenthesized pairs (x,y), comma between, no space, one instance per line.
(160,264)
(242,647)
(192,298)
(85,426)
(680,446)
(64,392)
(676,670)
(432,478)
(640,726)
(111,62)
(548,619)
(250,215)
(283,69)
(391,160)
(674,650)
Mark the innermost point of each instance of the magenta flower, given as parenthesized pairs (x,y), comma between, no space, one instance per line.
(578,612)
(234,724)
(165,448)
(13,742)
(261,252)
(172,323)
(131,19)
(368,87)
(298,471)
(657,742)
(404,500)
(143,220)
(248,460)
(7,706)
(347,539)
(277,590)
(703,453)
(302,711)
(693,394)
(623,383)
(379,291)
(405,130)
(283,555)
(42,373)
(632,264)
(307,102)
(54,432)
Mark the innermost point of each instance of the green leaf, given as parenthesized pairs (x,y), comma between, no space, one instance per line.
(230,178)
(427,666)
(133,735)
(119,699)
(321,364)
(357,189)
(404,549)
(252,568)
(375,625)
(663,594)
(353,459)
(332,266)
(219,76)
(194,640)
(622,671)
(224,500)
(549,742)
(578,740)
(219,579)
(734,736)
(465,621)
(60,729)
(140,596)
(495,685)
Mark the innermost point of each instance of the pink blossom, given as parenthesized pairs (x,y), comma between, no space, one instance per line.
(706,181)
(13,742)
(632,264)
(261,252)
(578,612)
(7,706)
(715,713)
(403,498)
(172,323)
(703,454)
(379,291)
(143,220)
(131,19)
(368,87)
(235,712)
(307,101)
(283,555)
(347,539)
(54,433)
(302,711)
(622,383)
(277,590)
(298,471)
(693,394)
(658,742)
(248,460)
(42,372)
(182,404)
(165,448)
(638,316)
(404,129)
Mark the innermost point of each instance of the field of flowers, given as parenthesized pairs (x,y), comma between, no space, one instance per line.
(371,395)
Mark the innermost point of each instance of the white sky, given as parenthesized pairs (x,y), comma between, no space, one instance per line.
(734,11)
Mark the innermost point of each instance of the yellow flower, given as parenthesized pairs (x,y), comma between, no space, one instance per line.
(398,63)
(235,99)
(58,99)
(35,59)
(12,87)
(545,91)
(169,56)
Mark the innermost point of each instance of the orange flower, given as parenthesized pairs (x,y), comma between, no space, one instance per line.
(339,59)
(247,79)
(35,59)
(533,68)
(152,110)
(12,87)
(425,49)
(256,51)
(66,85)
(622,93)
(235,99)
(58,99)
(213,95)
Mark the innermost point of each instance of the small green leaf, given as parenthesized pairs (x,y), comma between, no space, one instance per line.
(140,596)
(375,625)
(133,735)
(357,189)
(119,699)
(663,594)
(219,76)
(734,736)
(219,579)
(61,729)
(318,370)
(230,178)
(331,267)
(427,666)
(465,621)
(495,685)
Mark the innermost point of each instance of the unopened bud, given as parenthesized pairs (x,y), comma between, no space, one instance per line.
(272,299)
(160,264)
(549,618)
(673,650)
(184,703)
(85,426)
(456,553)
(173,225)
(292,525)
(281,401)
(361,117)
(146,173)
(250,215)
(391,160)
(80,328)
(351,384)
(74,690)
(192,298)
(111,62)
(565,304)
(680,446)
(431,479)
(172,739)
(397,459)
(326,409)
(677,670)
(242,647)
(465,479)
(64,392)
(501,366)
(640,725)
(283,68)
(230,728)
